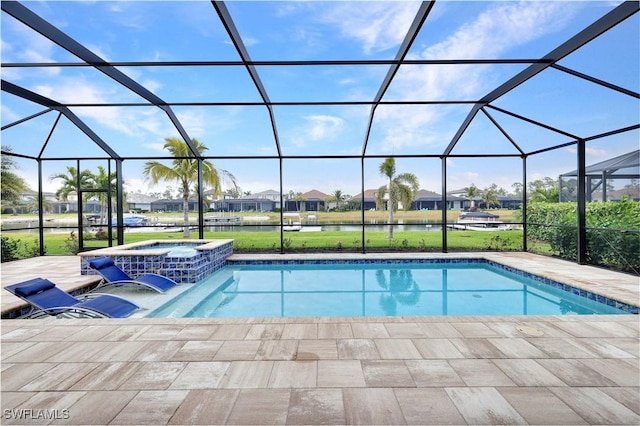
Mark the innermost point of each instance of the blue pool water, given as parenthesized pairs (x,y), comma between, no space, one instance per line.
(285,290)
(175,249)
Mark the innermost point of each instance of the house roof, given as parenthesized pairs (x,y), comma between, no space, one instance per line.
(315,195)
(267,192)
(137,197)
(369,195)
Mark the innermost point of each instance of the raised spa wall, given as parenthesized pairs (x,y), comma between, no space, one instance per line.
(135,261)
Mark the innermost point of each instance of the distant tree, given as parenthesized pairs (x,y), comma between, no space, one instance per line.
(184,170)
(401,188)
(13,186)
(545,189)
(168,193)
(633,184)
(517,189)
(498,190)
(246,193)
(234,192)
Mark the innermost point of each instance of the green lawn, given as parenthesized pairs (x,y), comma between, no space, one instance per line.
(334,241)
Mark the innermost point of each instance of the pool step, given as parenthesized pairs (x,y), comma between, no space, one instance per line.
(192,297)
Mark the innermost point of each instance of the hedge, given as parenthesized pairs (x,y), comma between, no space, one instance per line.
(612,241)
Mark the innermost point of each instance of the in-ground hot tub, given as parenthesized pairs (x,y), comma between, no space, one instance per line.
(184,261)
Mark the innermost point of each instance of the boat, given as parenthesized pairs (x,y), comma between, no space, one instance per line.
(131,219)
(479,221)
(291,222)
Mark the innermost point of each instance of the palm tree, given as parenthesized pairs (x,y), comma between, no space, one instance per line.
(70,182)
(490,197)
(472,192)
(401,189)
(102,181)
(338,197)
(184,170)
(33,203)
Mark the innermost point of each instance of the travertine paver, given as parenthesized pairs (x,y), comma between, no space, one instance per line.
(204,407)
(595,406)
(484,405)
(247,374)
(480,372)
(293,374)
(372,406)
(317,349)
(433,373)
(387,374)
(137,411)
(276,349)
(428,407)
(415,370)
(539,406)
(107,376)
(527,372)
(233,350)
(200,375)
(316,407)
(99,407)
(340,373)
(437,349)
(357,349)
(260,407)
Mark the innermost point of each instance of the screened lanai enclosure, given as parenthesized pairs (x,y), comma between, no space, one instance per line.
(297,126)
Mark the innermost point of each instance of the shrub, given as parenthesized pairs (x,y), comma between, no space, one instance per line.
(72,244)
(9,249)
(613,239)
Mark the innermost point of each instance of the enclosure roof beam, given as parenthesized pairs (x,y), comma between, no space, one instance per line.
(236,39)
(537,123)
(605,23)
(504,132)
(409,38)
(43,27)
(50,103)
(597,81)
(22,120)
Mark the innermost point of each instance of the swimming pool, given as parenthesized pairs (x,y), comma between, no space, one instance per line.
(470,287)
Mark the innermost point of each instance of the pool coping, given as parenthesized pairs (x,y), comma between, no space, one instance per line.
(131,248)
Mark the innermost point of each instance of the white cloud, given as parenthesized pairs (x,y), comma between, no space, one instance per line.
(596,152)
(318,128)
(377,25)
(489,35)
(158,146)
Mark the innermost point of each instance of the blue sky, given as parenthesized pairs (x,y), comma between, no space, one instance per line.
(337,30)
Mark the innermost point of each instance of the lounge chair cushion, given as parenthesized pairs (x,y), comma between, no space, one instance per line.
(101,262)
(33,286)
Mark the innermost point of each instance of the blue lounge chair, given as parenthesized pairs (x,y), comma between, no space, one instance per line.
(45,298)
(114,276)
